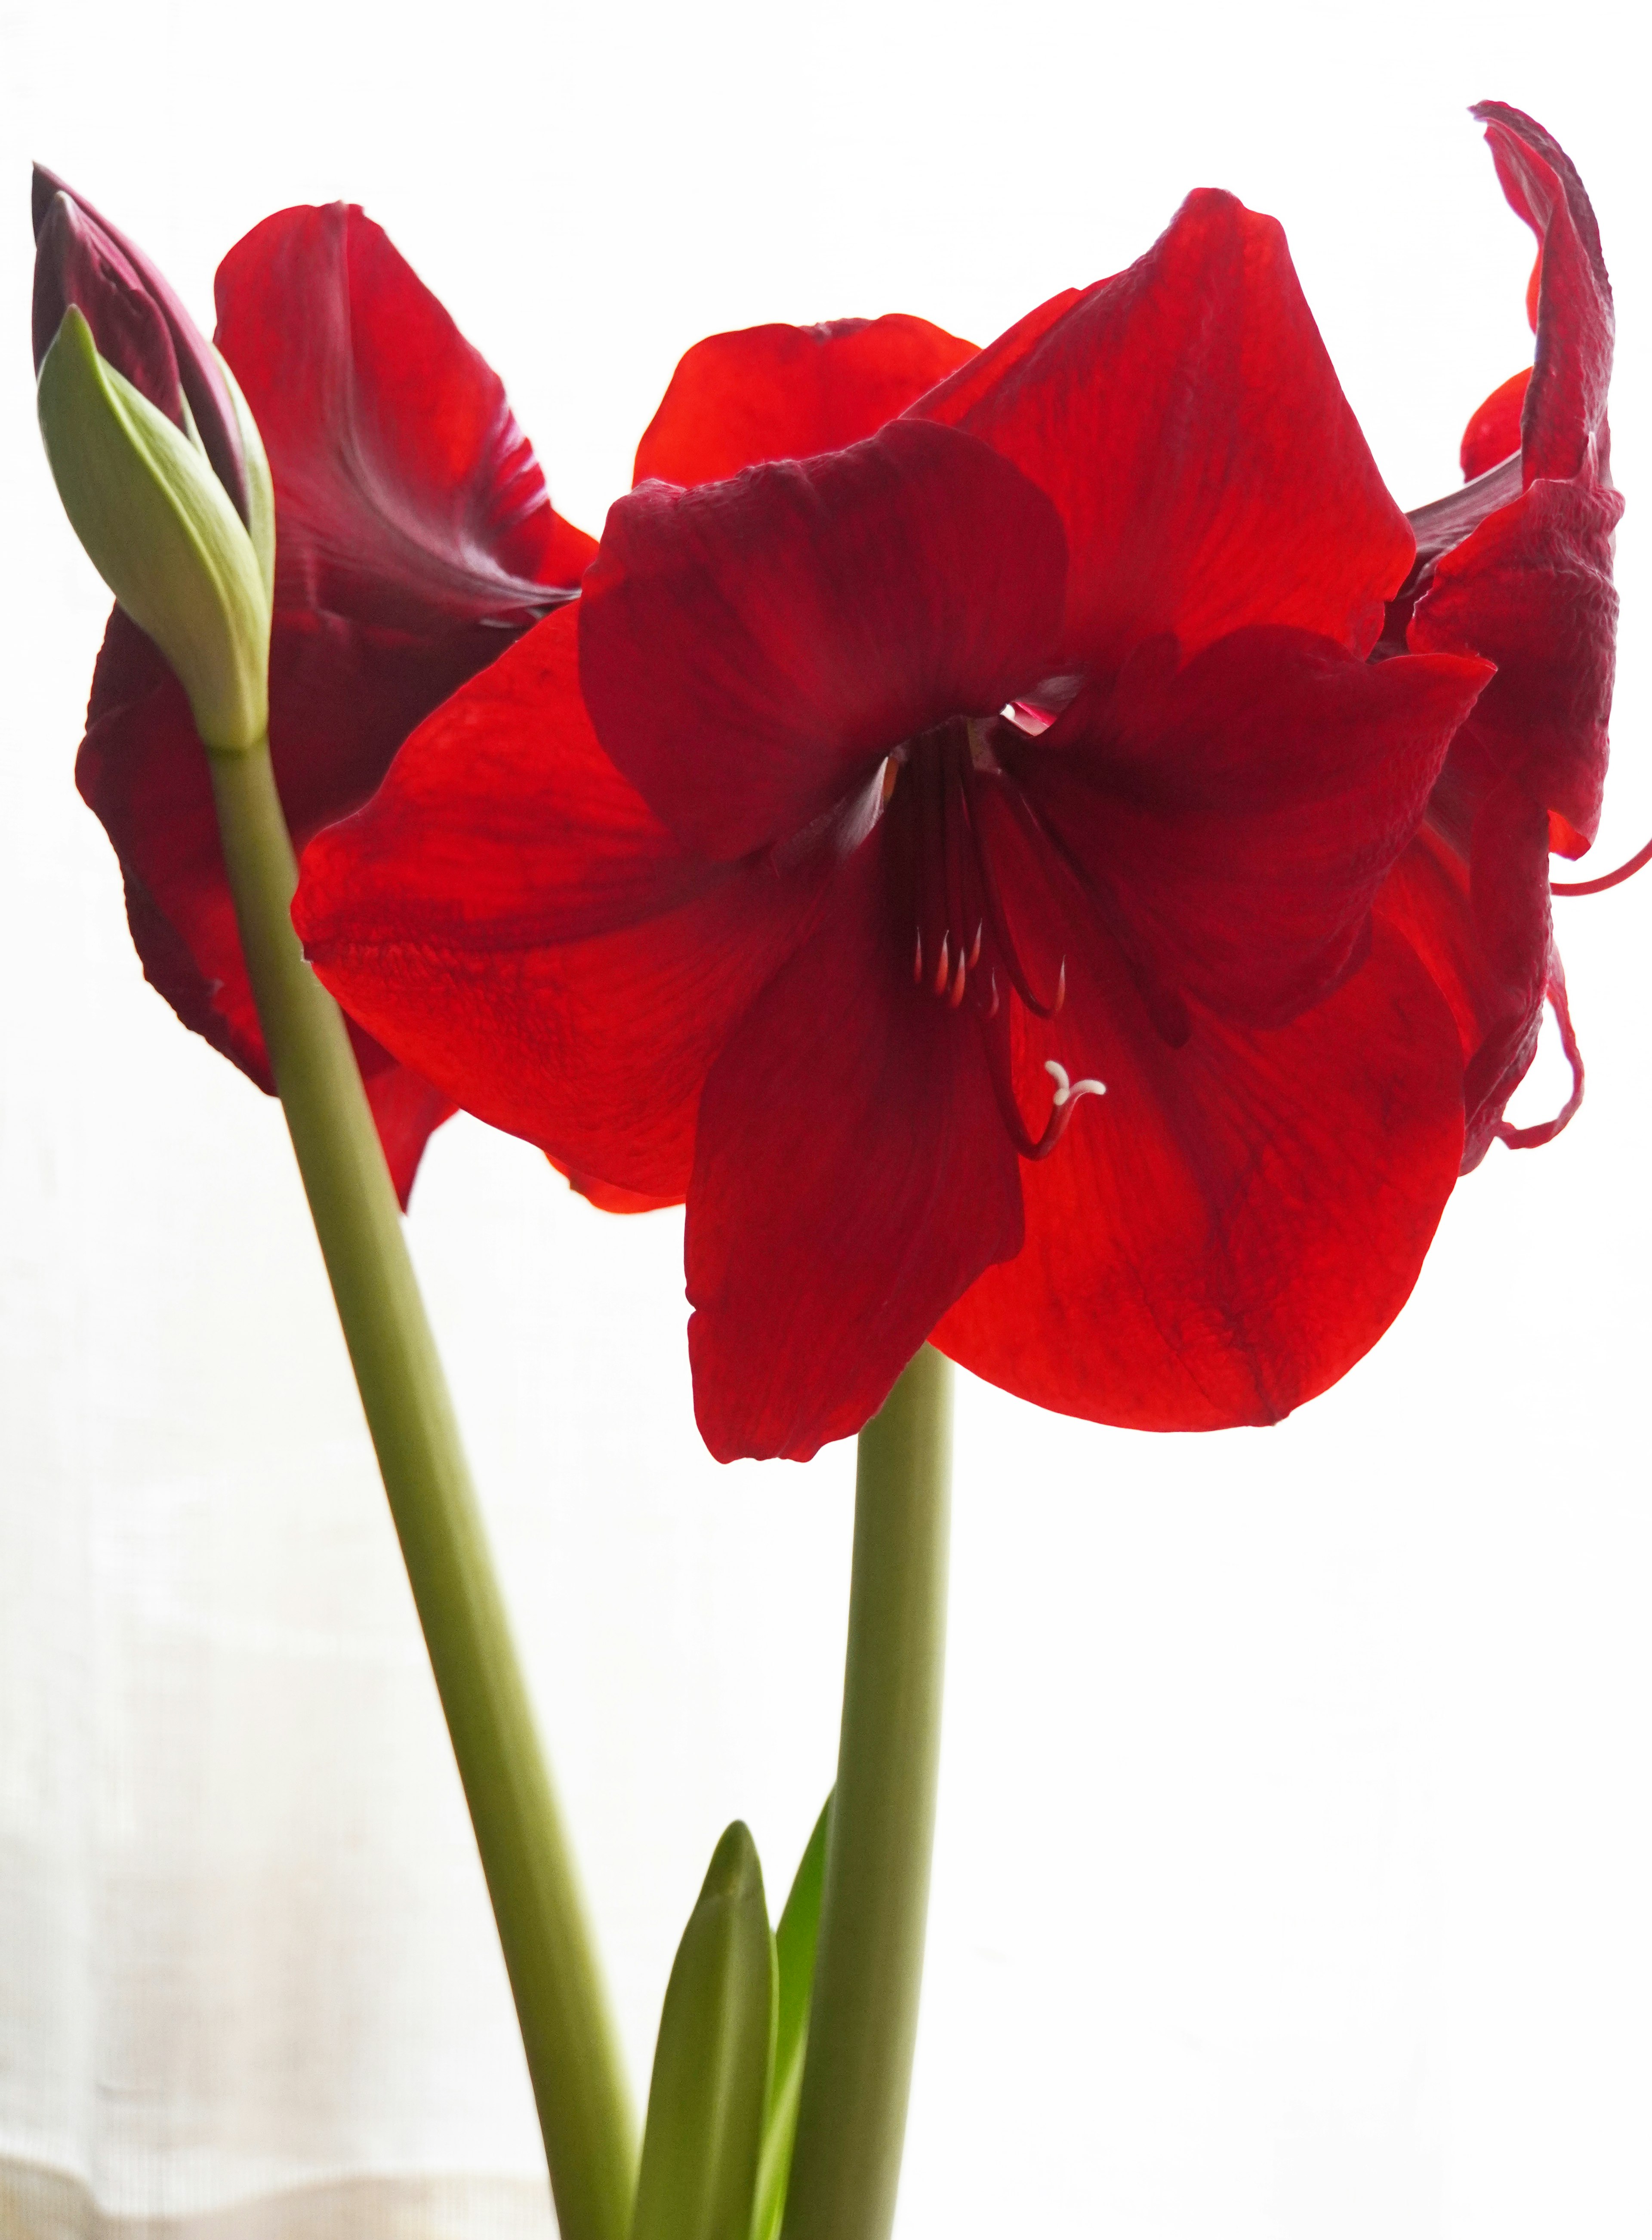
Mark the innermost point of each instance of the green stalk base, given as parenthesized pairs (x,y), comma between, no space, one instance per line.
(862,2022)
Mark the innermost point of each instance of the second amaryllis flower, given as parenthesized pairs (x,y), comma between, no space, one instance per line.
(873,800)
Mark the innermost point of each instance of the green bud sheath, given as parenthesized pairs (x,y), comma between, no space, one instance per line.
(795,1943)
(160,530)
(713,2061)
(261,490)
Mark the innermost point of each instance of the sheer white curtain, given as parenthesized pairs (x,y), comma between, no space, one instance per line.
(1295,1828)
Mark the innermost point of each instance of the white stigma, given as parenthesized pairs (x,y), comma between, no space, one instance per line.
(1066,1089)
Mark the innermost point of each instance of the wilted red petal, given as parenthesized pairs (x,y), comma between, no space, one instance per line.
(780,392)
(1187,421)
(509,915)
(1243,810)
(1237,1221)
(847,1186)
(1564,419)
(406,494)
(1531,590)
(750,651)
(1493,431)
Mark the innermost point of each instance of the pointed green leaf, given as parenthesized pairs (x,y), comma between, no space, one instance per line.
(160,530)
(713,2061)
(795,1944)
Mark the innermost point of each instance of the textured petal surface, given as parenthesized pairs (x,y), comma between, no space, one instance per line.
(781,392)
(751,651)
(1564,417)
(1531,591)
(510,918)
(342,698)
(1242,811)
(847,1186)
(1185,419)
(1237,1221)
(406,495)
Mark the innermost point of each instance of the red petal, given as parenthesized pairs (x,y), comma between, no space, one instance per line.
(1493,431)
(1531,590)
(1243,811)
(1485,939)
(407,1112)
(1236,1221)
(751,651)
(1185,420)
(951,399)
(342,698)
(851,1179)
(1564,421)
(510,918)
(785,392)
(406,494)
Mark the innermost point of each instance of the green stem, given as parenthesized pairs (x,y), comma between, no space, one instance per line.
(863,2017)
(573,2058)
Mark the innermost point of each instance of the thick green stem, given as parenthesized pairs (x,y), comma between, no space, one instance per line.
(863,2018)
(573,2058)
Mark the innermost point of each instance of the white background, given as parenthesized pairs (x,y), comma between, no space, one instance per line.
(1295,1840)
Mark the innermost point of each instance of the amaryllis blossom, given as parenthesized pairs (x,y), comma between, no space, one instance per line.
(1518,567)
(415,540)
(879,805)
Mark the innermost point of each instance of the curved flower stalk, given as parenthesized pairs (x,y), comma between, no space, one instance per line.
(1518,567)
(414,541)
(873,798)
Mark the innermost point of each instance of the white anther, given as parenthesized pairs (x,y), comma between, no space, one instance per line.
(1065,1089)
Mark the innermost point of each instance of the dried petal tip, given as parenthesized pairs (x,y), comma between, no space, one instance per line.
(139,326)
(160,530)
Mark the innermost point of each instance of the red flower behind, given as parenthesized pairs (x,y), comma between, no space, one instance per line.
(738,882)
(1518,567)
(415,541)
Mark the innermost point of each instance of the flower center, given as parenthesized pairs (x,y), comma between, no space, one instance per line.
(964,951)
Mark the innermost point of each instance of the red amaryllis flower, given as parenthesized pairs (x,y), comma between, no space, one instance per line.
(876,804)
(415,540)
(1518,567)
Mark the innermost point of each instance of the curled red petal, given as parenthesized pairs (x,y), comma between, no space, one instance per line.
(1493,432)
(1185,419)
(779,392)
(751,651)
(1531,591)
(1563,423)
(510,918)
(1226,1232)
(1241,811)
(406,495)
(851,1178)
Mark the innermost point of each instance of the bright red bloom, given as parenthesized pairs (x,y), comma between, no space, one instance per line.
(1518,567)
(737,882)
(415,542)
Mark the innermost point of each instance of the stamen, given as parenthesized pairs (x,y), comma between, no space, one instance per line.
(956,996)
(1068,1091)
(975,951)
(941,968)
(918,961)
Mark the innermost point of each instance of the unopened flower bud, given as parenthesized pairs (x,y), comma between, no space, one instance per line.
(160,529)
(138,325)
